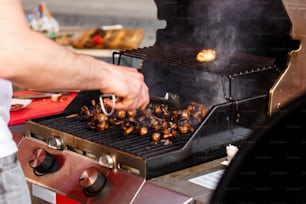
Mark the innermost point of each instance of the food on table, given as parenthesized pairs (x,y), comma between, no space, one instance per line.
(98,38)
(64,38)
(16,107)
(19,104)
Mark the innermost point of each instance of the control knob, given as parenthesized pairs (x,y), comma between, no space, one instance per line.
(42,162)
(55,143)
(92,181)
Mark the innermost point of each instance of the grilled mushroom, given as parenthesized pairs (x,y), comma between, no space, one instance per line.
(143,131)
(164,123)
(156,136)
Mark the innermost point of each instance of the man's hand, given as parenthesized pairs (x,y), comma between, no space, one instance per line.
(128,84)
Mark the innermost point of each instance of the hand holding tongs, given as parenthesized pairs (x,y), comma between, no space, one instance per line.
(172,100)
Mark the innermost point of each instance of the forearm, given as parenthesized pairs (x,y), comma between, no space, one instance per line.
(43,64)
(31,60)
(39,63)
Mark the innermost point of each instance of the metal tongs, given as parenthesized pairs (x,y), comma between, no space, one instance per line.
(170,99)
(113,97)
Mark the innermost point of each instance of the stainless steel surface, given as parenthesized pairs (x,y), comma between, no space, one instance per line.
(120,187)
(55,143)
(106,161)
(90,149)
(292,83)
(179,181)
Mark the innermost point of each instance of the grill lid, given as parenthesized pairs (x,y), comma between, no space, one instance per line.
(262,28)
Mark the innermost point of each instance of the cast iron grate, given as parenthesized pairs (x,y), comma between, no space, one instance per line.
(135,144)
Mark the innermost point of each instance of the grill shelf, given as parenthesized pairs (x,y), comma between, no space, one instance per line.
(233,65)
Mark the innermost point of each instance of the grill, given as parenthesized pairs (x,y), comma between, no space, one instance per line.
(252,40)
(234,87)
(139,154)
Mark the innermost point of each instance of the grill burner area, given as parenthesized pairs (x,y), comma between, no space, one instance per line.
(135,144)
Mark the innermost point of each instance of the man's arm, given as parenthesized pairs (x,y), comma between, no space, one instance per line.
(31,60)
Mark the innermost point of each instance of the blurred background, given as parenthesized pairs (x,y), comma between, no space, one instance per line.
(95,13)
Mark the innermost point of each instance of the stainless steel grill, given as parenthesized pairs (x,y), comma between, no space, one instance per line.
(253,43)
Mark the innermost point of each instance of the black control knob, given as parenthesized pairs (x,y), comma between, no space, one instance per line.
(92,181)
(42,162)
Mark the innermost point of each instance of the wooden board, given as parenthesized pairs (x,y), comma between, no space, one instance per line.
(119,39)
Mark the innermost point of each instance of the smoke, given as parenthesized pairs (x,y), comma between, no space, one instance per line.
(225,26)
(231,27)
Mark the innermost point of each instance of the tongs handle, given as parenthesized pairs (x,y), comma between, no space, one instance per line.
(102,96)
(172,100)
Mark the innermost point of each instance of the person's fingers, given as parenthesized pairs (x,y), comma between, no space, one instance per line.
(122,104)
(108,102)
(130,104)
(144,106)
(145,101)
(132,91)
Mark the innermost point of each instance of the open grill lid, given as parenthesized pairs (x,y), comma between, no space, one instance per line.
(250,37)
(256,27)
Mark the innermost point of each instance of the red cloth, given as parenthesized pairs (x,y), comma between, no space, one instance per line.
(39,107)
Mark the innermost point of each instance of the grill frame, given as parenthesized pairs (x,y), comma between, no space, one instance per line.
(240,75)
(256,36)
(206,143)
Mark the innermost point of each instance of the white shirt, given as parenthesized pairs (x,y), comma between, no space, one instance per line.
(7,144)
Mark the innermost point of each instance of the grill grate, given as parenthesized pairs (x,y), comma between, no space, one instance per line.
(135,144)
(232,65)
